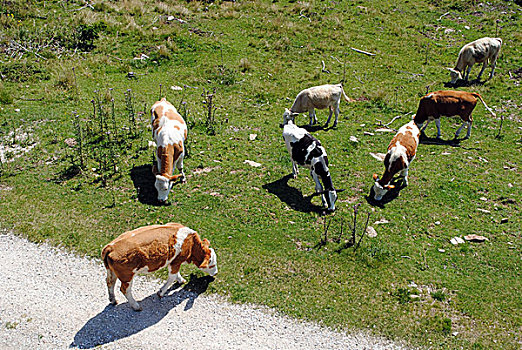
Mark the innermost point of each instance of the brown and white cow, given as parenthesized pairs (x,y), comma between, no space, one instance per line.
(150,248)
(169,131)
(401,151)
(483,50)
(448,103)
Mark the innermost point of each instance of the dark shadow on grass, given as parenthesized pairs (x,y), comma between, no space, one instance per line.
(292,196)
(388,197)
(120,321)
(143,181)
(425,140)
(464,83)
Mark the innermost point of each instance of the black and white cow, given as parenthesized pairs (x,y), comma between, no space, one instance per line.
(307,151)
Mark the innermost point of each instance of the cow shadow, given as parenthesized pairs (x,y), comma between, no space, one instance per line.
(464,83)
(388,197)
(317,127)
(292,196)
(121,321)
(143,181)
(426,140)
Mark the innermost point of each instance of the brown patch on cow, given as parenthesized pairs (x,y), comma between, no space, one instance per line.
(148,246)
(446,103)
(194,250)
(167,156)
(407,141)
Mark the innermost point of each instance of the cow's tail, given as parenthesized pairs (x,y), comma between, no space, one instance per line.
(346,98)
(484,103)
(105,256)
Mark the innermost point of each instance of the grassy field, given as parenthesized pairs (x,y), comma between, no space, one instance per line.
(79,78)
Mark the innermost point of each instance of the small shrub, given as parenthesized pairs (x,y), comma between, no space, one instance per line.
(5,96)
(244,65)
(86,34)
(446,325)
(65,80)
(438,295)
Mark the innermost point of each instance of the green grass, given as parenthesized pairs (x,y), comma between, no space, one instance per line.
(259,55)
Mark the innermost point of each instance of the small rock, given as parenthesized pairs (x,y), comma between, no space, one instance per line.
(368,133)
(456,240)
(176,88)
(504,220)
(441,250)
(475,238)
(381,221)
(70,142)
(437,222)
(379,156)
(484,210)
(483,199)
(17,110)
(353,139)
(448,30)
(414,297)
(445,153)
(454,334)
(370,231)
(252,163)
(252,137)
(229,237)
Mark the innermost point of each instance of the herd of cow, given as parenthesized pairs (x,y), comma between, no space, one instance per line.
(150,248)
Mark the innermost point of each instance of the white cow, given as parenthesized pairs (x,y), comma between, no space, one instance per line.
(479,51)
(320,97)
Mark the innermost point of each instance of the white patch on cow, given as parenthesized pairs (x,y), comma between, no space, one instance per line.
(181,235)
(398,151)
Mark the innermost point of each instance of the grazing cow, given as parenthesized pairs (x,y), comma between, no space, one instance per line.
(401,152)
(319,97)
(150,248)
(307,151)
(478,51)
(169,131)
(448,103)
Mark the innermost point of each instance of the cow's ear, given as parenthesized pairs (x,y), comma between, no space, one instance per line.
(390,187)
(206,243)
(173,177)
(375,176)
(206,260)
(155,169)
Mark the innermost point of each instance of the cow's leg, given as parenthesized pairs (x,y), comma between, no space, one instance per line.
(462,126)
(404,174)
(330,116)
(482,70)
(295,169)
(437,122)
(126,289)
(336,111)
(179,166)
(313,118)
(493,65)
(318,186)
(111,283)
(174,276)
(425,125)
(467,73)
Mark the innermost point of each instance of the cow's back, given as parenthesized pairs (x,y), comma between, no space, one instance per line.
(149,246)
(446,103)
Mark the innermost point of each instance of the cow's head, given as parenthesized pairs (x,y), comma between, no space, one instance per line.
(163,186)
(209,264)
(455,75)
(288,116)
(380,190)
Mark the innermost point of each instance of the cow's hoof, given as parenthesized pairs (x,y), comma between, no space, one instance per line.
(182,280)
(113,302)
(160,294)
(139,308)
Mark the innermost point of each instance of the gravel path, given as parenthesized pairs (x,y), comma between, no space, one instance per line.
(51,299)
